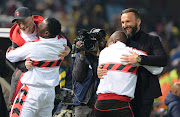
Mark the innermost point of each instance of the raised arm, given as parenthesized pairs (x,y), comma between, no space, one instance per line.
(159,57)
(20,64)
(80,69)
(19,54)
(155,70)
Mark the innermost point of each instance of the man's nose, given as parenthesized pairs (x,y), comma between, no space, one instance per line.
(124,25)
(22,26)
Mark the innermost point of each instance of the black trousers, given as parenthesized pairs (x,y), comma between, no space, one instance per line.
(3,108)
(142,108)
(113,108)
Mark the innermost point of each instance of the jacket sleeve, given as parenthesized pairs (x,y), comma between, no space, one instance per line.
(21,64)
(175,111)
(153,69)
(80,69)
(158,57)
(19,54)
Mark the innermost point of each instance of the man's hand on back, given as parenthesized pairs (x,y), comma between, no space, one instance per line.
(64,52)
(129,59)
(101,72)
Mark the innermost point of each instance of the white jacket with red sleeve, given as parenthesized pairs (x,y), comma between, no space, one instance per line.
(120,79)
(42,50)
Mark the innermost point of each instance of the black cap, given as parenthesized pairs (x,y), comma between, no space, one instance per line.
(21,13)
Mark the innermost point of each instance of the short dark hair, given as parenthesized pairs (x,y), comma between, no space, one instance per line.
(54,27)
(137,14)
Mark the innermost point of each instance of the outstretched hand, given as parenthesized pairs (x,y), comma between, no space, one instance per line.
(64,52)
(129,59)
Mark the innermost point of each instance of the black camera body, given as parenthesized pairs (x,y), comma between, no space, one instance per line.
(89,39)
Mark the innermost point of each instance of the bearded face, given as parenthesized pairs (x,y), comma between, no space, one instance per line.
(131,30)
(130,23)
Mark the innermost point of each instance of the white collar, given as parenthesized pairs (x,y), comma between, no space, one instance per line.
(44,39)
(118,44)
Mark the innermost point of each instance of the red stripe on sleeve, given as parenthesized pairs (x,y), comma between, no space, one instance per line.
(105,66)
(115,66)
(54,64)
(44,64)
(135,70)
(126,68)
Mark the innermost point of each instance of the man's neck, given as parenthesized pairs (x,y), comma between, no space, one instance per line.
(135,36)
(47,38)
(137,30)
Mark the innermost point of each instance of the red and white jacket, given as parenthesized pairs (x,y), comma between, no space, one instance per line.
(120,78)
(16,33)
(42,50)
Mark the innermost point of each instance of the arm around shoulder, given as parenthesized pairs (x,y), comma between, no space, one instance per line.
(158,57)
(18,54)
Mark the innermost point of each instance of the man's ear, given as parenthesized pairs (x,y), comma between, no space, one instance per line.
(32,18)
(139,21)
(114,41)
(176,92)
(46,33)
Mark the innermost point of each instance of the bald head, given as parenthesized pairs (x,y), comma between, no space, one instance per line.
(176,89)
(117,36)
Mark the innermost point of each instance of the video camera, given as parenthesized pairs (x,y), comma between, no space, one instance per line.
(89,39)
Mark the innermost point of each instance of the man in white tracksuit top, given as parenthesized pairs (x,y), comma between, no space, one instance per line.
(117,88)
(36,98)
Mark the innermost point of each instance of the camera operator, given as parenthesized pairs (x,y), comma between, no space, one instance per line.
(85,71)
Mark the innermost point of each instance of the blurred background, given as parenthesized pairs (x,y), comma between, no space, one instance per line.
(159,17)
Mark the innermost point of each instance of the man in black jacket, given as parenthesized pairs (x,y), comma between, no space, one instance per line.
(147,87)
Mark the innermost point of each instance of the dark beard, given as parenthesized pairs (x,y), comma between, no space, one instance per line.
(133,32)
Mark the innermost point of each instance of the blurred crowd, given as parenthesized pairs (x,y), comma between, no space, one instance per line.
(159,18)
